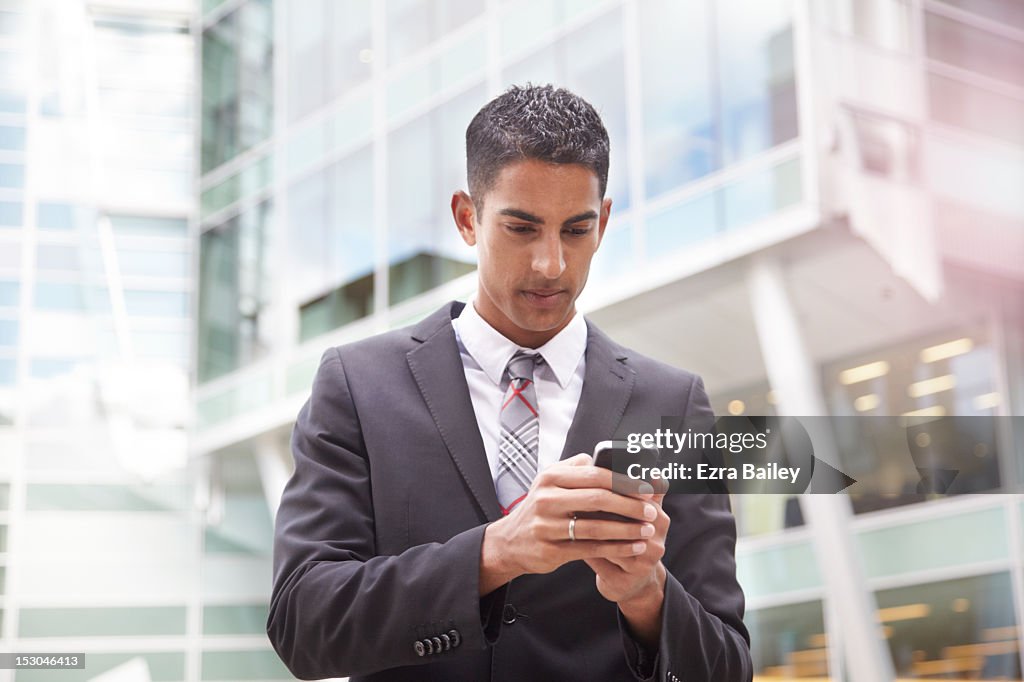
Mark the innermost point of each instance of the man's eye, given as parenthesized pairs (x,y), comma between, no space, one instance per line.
(578,231)
(520,229)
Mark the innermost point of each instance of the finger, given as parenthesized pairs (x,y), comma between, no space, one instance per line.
(577,475)
(580,459)
(605,567)
(571,501)
(600,529)
(597,549)
(634,487)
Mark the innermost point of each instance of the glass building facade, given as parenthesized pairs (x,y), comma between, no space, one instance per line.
(827,139)
(99,543)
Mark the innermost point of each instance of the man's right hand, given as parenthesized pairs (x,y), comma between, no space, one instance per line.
(534,538)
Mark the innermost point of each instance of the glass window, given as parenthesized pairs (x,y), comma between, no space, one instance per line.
(12,102)
(788,642)
(103,497)
(10,213)
(156,303)
(1010,13)
(459,63)
(955,629)
(756,76)
(250,180)
(973,49)
(139,263)
(694,220)
(589,62)
(9,294)
(256,664)
(57,257)
(887,147)
(946,378)
(58,216)
(234,292)
(329,51)
(331,223)
(426,163)
(678,113)
(246,526)
(12,138)
(100,622)
(757,196)
(10,255)
(12,176)
(11,23)
(412,24)
(237,87)
(885,23)
(58,296)
(243,619)
(8,333)
(146,226)
(8,372)
(956,103)
(48,368)
(164,345)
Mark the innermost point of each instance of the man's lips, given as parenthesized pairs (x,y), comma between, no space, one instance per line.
(544,298)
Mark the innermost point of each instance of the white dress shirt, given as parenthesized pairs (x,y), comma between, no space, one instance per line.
(559,381)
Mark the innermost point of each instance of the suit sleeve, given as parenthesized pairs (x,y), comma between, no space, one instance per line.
(337,608)
(703,637)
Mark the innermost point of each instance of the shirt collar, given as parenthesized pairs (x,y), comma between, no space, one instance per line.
(492,350)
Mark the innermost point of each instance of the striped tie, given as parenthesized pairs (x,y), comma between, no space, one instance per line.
(520,431)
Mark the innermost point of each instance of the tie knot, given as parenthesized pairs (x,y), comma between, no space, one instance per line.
(521,365)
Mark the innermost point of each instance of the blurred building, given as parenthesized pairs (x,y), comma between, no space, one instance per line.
(99,543)
(817,206)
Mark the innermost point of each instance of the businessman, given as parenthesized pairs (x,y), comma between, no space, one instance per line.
(439,524)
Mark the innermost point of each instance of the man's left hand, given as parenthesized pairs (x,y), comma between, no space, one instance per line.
(637,584)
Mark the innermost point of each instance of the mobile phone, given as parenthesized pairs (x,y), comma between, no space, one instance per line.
(615,456)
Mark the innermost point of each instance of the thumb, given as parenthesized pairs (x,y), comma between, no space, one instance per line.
(579,460)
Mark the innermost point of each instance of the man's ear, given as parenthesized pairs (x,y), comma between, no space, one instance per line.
(464,213)
(602,221)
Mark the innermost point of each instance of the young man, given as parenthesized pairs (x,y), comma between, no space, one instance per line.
(433,528)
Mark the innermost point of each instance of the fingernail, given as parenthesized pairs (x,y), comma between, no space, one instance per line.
(646,489)
(646,530)
(650,513)
(638,547)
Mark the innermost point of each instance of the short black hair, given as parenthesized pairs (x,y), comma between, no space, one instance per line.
(534,122)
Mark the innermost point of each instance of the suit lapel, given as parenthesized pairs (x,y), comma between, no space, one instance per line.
(437,368)
(607,386)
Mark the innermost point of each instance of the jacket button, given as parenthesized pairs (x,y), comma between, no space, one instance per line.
(429,645)
(509,614)
(447,642)
(438,647)
(456,638)
(419,648)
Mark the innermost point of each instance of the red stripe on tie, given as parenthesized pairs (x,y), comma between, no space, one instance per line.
(518,392)
(505,510)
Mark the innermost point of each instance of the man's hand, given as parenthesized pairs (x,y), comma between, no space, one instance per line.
(637,583)
(534,538)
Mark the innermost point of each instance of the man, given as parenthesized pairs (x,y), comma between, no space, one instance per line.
(435,526)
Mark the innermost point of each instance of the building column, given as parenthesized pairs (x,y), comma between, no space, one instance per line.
(792,375)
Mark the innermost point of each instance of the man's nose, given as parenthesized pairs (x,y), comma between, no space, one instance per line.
(548,257)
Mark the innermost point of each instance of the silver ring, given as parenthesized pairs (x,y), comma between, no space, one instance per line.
(572,529)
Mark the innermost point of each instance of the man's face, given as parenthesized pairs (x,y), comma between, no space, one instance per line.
(540,226)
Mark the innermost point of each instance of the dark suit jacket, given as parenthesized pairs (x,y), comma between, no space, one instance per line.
(377,539)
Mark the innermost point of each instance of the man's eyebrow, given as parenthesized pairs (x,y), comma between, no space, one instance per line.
(530,218)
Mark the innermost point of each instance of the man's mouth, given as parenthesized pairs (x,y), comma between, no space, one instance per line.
(544,297)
